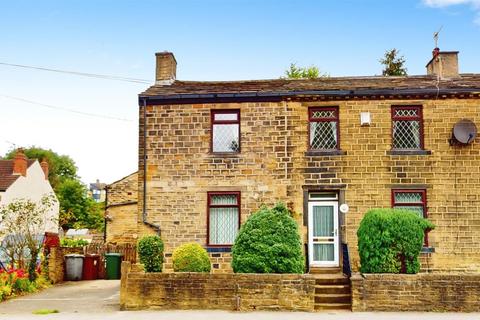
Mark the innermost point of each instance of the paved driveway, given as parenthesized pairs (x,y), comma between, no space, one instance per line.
(72,297)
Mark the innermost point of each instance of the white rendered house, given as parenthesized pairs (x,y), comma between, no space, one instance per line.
(22,178)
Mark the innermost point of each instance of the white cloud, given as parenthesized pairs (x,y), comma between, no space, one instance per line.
(447,3)
(475,4)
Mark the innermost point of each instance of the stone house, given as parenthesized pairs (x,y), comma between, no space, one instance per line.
(22,178)
(210,153)
(121,207)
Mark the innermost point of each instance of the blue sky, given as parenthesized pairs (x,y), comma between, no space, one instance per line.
(211,39)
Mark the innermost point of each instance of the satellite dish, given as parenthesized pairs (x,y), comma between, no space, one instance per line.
(464,131)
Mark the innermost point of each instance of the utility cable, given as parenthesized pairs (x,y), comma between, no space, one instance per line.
(84,74)
(95,115)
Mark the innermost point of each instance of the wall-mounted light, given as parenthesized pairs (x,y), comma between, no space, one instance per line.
(365,118)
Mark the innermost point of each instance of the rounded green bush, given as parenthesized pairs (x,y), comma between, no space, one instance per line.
(191,257)
(150,251)
(390,241)
(268,242)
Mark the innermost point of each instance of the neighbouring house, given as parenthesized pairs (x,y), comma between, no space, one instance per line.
(210,153)
(97,191)
(121,209)
(22,178)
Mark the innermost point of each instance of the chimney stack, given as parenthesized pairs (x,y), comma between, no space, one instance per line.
(443,64)
(44,165)
(20,163)
(166,70)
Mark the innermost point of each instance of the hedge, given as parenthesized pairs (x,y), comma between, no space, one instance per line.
(390,241)
(150,251)
(191,257)
(268,242)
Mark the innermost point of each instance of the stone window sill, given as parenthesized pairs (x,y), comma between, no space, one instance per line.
(427,250)
(325,153)
(224,154)
(409,152)
(219,249)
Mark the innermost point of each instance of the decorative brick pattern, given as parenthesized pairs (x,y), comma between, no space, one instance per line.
(242,292)
(420,292)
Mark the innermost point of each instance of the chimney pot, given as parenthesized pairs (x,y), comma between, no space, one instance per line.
(20,163)
(44,165)
(166,69)
(443,64)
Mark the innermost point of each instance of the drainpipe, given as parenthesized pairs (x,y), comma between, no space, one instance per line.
(144,213)
(105,216)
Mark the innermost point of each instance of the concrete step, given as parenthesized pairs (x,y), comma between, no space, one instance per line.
(332,280)
(332,306)
(330,270)
(332,289)
(333,298)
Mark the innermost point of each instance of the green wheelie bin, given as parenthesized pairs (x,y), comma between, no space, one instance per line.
(114,263)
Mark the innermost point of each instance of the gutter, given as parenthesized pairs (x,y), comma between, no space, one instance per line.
(188,98)
(144,211)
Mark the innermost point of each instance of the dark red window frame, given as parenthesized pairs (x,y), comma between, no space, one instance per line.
(423,192)
(209,205)
(311,110)
(214,122)
(414,118)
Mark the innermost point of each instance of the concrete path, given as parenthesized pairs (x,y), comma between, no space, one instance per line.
(73,297)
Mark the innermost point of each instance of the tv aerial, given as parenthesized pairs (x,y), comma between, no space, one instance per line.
(435,36)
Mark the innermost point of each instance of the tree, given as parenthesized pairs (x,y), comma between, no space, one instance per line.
(312,72)
(394,64)
(77,209)
(23,224)
(60,167)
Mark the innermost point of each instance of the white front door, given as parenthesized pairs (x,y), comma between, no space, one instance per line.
(323,233)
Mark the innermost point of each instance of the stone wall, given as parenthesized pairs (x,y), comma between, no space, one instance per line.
(56,265)
(420,292)
(121,210)
(56,262)
(274,165)
(242,292)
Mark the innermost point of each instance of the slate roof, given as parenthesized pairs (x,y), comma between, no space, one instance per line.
(334,85)
(7,178)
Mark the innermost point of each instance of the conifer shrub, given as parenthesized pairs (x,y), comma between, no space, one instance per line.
(390,241)
(150,251)
(191,257)
(268,242)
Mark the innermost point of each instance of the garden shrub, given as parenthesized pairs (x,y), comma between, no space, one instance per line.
(390,241)
(268,242)
(150,251)
(191,257)
(73,243)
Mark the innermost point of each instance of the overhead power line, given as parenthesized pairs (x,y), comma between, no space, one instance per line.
(83,74)
(95,115)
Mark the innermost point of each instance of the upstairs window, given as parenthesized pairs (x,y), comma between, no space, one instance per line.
(323,131)
(225,131)
(223,217)
(413,200)
(407,128)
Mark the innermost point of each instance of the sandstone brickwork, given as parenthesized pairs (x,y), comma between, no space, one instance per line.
(241,292)
(121,210)
(274,165)
(421,292)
